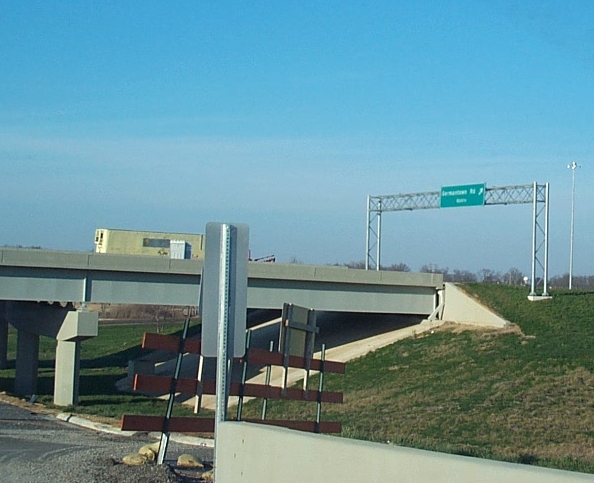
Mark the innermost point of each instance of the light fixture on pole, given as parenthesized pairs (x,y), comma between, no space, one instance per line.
(573,166)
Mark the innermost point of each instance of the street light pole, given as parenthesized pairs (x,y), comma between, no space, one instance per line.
(573,166)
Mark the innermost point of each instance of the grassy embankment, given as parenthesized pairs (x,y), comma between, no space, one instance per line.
(524,395)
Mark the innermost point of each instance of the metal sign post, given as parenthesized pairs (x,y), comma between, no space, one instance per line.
(224,305)
(164,441)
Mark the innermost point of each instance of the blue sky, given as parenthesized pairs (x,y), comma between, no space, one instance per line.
(286,115)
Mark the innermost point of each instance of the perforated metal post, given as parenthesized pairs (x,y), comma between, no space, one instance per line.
(164,441)
(267,382)
(222,382)
(320,388)
(200,385)
(248,339)
(222,393)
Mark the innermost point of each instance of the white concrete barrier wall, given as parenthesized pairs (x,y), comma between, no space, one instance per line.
(252,453)
(459,307)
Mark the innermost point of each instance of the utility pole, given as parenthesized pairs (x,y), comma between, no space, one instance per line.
(573,166)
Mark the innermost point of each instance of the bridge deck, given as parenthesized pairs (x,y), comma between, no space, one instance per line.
(45,275)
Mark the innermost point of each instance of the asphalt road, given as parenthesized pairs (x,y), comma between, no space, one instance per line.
(39,448)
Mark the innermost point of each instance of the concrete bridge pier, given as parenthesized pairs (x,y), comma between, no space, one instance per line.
(66,382)
(27,363)
(78,325)
(3,336)
(69,327)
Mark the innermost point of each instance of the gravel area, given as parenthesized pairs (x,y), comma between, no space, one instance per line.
(39,448)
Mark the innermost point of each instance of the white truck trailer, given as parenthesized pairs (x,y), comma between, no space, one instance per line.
(173,245)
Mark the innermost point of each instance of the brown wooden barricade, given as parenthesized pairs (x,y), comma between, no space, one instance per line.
(195,387)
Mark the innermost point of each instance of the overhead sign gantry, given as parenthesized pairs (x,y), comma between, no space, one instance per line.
(462,196)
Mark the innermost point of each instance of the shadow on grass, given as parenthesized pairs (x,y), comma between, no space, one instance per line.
(45,385)
(121,358)
(99,384)
(528,459)
(117,359)
(128,402)
(6,384)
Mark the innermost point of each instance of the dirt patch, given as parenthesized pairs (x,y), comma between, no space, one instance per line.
(459,328)
(38,408)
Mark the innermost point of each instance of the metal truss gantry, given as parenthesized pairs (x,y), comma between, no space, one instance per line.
(537,194)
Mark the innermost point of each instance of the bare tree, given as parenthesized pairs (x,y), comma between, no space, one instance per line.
(359,265)
(433,268)
(513,277)
(104,311)
(159,314)
(487,275)
(398,267)
(585,282)
(461,276)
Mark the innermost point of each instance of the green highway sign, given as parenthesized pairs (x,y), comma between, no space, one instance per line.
(463,195)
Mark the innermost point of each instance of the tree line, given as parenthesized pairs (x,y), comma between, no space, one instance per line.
(513,276)
(160,315)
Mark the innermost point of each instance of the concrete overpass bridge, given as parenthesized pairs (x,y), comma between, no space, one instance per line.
(39,289)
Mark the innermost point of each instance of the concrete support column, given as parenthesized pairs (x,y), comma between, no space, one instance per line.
(69,327)
(66,381)
(27,362)
(76,327)
(3,336)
